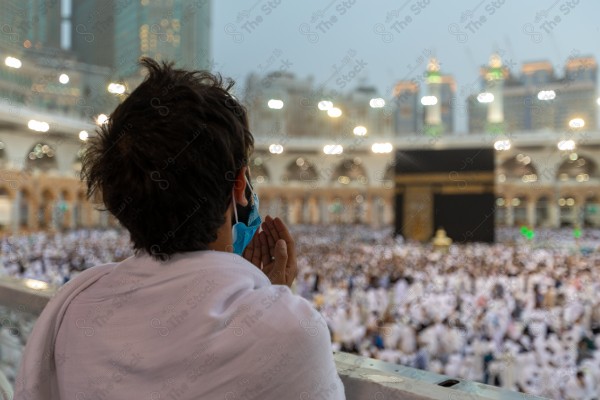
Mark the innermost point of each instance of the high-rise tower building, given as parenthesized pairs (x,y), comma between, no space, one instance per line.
(32,24)
(93,31)
(164,30)
(406,108)
(486,109)
(439,100)
(536,100)
(432,101)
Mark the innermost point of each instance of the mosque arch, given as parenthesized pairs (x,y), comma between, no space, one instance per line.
(350,170)
(518,167)
(258,171)
(577,167)
(41,156)
(301,170)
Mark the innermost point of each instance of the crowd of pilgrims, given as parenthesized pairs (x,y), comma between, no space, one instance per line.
(523,314)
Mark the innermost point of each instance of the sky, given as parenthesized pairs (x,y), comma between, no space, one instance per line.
(342,43)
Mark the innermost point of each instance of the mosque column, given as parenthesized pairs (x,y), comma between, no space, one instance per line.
(323,210)
(553,213)
(313,210)
(62,212)
(33,221)
(510,215)
(349,211)
(69,218)
(578,210)
(51,210)
(16,212)
(333,209)
(304,210)
(51,215)
(297,210)
(388,212)
(368,204)
(357,209)
(290,210)
(531,212)
(378,211)
(286,209)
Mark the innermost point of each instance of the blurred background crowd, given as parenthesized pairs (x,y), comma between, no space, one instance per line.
(522,314)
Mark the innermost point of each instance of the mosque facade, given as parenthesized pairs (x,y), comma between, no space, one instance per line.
(329,157)
(324,156)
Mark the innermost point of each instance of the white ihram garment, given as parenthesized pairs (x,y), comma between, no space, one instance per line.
(205,324)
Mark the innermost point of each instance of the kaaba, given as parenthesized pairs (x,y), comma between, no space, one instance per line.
(451,189)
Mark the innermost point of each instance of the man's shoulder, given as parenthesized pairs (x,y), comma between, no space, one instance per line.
(88,275)
(295,314)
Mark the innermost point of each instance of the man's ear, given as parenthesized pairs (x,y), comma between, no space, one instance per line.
(239,188)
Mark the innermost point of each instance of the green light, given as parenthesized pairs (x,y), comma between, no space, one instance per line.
(577,233)
(495,74)
(495,127)
(592,209)
(433,130)
(529,234)
(434,77)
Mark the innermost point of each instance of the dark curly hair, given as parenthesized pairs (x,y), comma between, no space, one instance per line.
(165,162)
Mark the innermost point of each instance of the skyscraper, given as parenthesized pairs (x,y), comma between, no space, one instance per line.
(537,99)
(93,32)
(432,100)
(164,30)
(30,24)
(433,111)
(447,101)
(407,110)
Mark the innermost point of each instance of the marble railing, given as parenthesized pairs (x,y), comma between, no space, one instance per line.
(21,301)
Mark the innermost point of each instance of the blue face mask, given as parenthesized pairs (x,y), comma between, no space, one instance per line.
(241,233)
